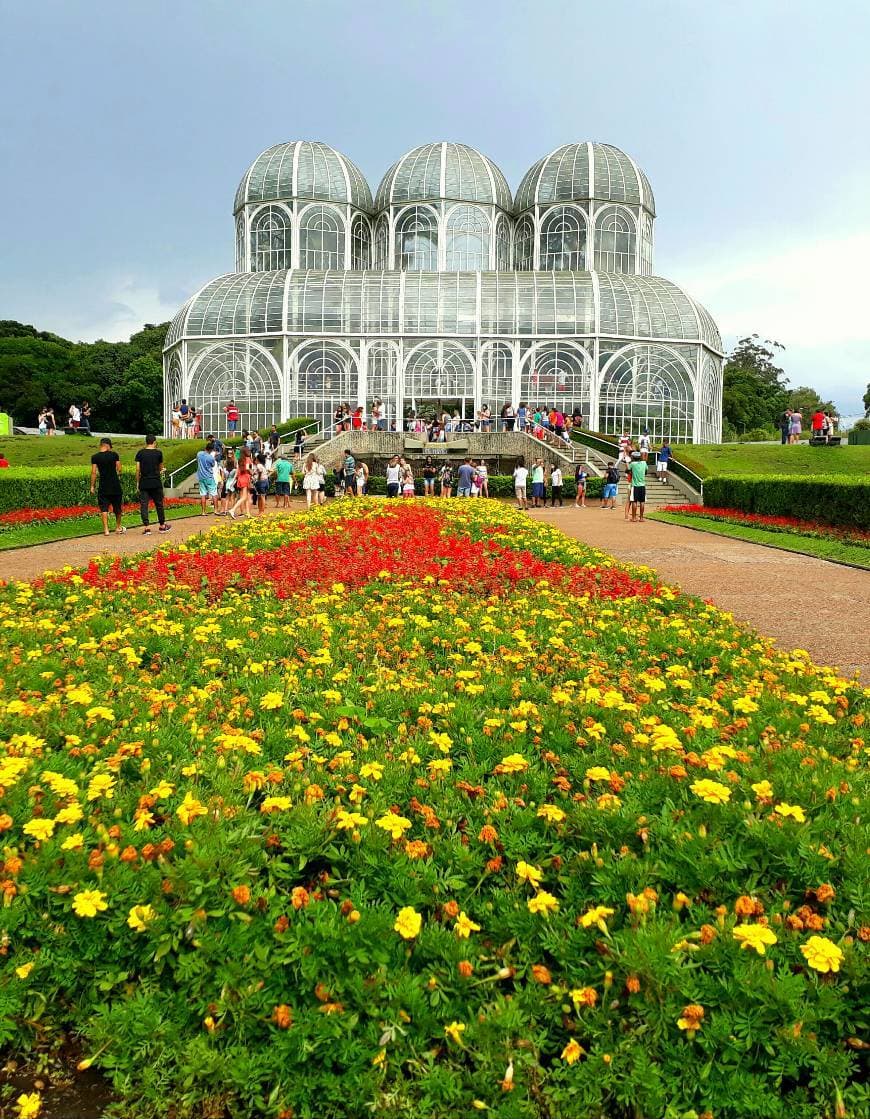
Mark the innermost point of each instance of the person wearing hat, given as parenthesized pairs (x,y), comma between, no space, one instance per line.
(637,492)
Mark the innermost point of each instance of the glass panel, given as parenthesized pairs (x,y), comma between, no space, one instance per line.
(360,245)
(524,241)
(270,239)
(646,386)
(614,241)
(417,240)
(468,233)
(239,371)
(557,375)
(563,240)
(321,238)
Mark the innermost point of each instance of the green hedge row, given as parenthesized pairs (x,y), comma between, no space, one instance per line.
(49,487)
(833,501)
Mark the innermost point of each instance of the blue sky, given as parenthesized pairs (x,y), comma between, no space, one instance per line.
(125,127)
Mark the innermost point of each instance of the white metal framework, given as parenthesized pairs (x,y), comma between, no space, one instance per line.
(444,291)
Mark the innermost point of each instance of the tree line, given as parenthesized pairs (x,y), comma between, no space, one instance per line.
(122,380)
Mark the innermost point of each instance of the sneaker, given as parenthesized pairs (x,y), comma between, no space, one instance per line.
(231,515)
(146,531)
(164,528)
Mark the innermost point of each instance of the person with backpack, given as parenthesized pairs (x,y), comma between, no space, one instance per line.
(611,486)
(446,480)
(149,482)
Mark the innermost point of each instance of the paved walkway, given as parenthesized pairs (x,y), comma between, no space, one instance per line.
(782,594)
(779,593)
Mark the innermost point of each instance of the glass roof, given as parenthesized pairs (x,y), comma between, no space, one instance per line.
(443,171)
(511,303)
(577,172)
(303,169)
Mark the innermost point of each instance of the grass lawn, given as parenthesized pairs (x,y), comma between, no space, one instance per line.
(834,550)
(772,458)
(24,536)
(69,450)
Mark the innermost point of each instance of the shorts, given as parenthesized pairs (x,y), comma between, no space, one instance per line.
(113,501)
(662,466)
(392,489)
(262,486)
(537,489)
(520,491)
(207,487)
(232,425)
(463,491)
(282,489)
(638,494)
(609,491)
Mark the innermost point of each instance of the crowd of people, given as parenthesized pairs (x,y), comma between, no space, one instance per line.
(824,424)
(78,419)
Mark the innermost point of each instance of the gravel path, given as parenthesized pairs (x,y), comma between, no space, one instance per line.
(778,593)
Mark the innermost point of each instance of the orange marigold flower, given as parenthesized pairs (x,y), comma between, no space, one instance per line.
(632,984)
(584,996)
(417,849)
(5,822)
(746,906)
(465,968)
(541,974)
(451,909)
(488,834)
(282,1016)
(299,897)
(708,934)
(825,893)
(493,866)
(241,894)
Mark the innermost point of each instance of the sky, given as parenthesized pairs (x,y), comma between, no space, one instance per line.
(125,127)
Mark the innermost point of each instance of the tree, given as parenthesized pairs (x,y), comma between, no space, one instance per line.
(806,401)
(867,403)
(754,387)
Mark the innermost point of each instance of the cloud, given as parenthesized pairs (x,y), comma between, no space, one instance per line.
(810,295)
(118,308)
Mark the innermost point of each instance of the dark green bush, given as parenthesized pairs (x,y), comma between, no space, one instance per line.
(47,488)
(833,501)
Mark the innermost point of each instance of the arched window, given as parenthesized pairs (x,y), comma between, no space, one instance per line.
(497,368)
(241,264)
(563,240)
(557,374)
(441,371)
(381,253)
(321,239)
(240,371)
(614,242)
(417,241)
(711,403)
(502,245)
(360,245)
(524,240)
(646,386)
(467,240)
(270,240)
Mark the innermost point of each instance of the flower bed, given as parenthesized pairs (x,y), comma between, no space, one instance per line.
(793,525)
(19,518)
(418,809)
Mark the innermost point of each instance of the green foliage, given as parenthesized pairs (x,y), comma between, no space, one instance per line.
(867,402)
(806,401)
(834,501)
(754,387)
(33,488)
(122,380)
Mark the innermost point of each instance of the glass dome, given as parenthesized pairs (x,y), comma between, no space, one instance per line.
(443,172)
(303,169)
(578,172)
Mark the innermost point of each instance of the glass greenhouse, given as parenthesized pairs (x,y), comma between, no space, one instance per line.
(444,290)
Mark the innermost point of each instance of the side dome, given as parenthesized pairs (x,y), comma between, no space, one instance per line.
(579,172)
(303,169)
(444,171)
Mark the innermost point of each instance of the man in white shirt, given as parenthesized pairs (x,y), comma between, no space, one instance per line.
(521,477)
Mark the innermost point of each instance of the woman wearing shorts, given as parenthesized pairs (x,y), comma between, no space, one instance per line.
(429,477)
(244,477)
(446,479)
(580,477)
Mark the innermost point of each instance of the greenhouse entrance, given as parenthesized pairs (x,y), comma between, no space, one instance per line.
(430,408)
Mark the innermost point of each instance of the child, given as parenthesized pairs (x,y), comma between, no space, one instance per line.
(580,477)
(408,483)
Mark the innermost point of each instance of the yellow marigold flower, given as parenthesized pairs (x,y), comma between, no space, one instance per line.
(440,766)
(597,916)
(443,742)
(61,786)
(190,808)
(543,903)
(762,789)
(584,996)
(394,824)
(597,773)
(88,903)
(755,936)
(69,815)
(408,923)
(275,804)
(691,1019)
(513,763)
(464,926)
(162,790)
(25,970)
(39,829)
(551,813)
(102,785)
(373,770)
(144,819)
(711,791)
(28,1105)
(793,810)
(455,1031)
(140,917)
(528,873)
(822,954)
(745,705)
(73,842)
(101,713)
(271,701)
(572,1052)
(79,693)
(347,821)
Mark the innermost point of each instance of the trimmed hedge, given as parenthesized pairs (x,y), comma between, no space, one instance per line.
(49,487)
(833,501)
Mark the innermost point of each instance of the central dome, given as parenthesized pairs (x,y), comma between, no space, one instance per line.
(443,172)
